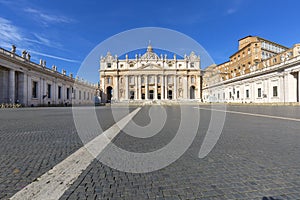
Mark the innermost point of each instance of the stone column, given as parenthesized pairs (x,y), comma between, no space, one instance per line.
(299,86)
(11,86)
(55,94)
(103,85)
(116,88)
(139,87)
(41,90)
(146,88)
(24,90)
(252,92)
(44,90)
(162,87)
(155,87)
(126,87)
(136,87)
(199,96)
(184,87)
(187,88)
(166,87)
(175,87)
(280,89)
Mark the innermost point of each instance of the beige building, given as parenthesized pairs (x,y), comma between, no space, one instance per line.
(268,73)
(150,77)
(252,50)
(25,82)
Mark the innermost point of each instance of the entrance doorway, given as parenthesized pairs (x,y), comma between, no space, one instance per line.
(109,93)
(170,93)
(151,93)
(192,92)
(131,93)
(158,92)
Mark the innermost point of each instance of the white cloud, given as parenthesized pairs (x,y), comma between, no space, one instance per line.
(55,57)
(46,18)
(38,39)
(42,40)
(9,34)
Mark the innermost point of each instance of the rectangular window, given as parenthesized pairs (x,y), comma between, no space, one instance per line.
(238,94)
(275,91)
(259,92)
(49,91)
(59,92)
(34,89)
(192,65)
(88,96)
(84,95)
(108,65)
(68,93)
(247,93)
(79,95)
(230,95)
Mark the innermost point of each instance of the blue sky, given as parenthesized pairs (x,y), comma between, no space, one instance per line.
(63,32)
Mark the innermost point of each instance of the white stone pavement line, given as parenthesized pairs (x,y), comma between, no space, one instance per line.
(252,114)
(56,181)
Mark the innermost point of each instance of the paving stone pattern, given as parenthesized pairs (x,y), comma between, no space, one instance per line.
(33,140)
(255,158)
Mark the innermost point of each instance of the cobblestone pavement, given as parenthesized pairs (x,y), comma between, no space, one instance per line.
(33,140)
(255,157)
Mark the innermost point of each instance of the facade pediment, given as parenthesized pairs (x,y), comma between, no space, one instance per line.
(150,67)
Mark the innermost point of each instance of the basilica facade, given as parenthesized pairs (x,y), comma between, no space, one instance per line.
(150,77)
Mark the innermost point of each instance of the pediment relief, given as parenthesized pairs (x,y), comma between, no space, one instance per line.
(132,62)
(150,67)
